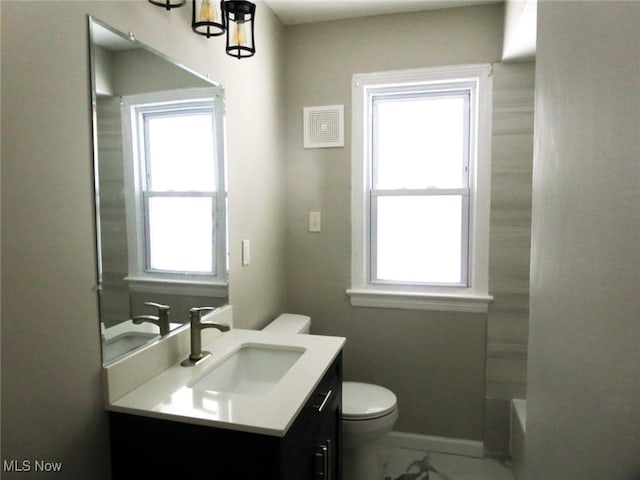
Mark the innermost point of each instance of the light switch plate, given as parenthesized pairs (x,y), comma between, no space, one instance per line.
(315,222)
(246,253)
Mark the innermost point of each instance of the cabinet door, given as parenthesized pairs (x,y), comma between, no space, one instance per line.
(326,440)
(311,449)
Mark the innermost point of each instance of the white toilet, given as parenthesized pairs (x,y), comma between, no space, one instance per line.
(368,413)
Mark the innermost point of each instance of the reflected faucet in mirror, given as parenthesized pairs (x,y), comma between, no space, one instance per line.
(159,163)
(161,320)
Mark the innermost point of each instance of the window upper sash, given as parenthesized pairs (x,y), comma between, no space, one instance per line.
(378,97)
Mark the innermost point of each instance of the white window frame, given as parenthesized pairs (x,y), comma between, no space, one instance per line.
(474,295)
(140,278)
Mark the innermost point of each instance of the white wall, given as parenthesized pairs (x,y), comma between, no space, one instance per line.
(51,384)
(583,418)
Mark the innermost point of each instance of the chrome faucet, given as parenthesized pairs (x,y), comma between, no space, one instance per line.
(161,320)
(195,318)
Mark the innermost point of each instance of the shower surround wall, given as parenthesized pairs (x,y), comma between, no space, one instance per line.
(508,318)
(433,361)
(114,297)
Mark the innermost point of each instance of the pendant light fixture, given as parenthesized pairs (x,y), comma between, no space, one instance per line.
(209,18)
(168,4)
(239,20)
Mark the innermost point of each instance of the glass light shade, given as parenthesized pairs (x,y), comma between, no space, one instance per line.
(240,15)
(168,4)
(207,18)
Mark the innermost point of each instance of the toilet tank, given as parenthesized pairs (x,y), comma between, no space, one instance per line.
(290,323)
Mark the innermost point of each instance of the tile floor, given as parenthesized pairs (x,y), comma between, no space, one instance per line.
(406,464)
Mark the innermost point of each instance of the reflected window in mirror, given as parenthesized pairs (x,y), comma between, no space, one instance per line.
(160,190)
(174,189)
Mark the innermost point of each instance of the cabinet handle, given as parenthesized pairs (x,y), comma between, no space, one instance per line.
(327,395)
(322,469)
(328,463)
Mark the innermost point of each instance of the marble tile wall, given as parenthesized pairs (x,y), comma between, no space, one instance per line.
(508,318)
(114,297)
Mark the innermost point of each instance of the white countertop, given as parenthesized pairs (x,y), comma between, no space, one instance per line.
(167,395)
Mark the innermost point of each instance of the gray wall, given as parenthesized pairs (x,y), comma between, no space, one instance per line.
(433,361)
(584,355)
(51,385)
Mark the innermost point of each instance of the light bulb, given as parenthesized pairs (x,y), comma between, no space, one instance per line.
(239,35)
(208,11)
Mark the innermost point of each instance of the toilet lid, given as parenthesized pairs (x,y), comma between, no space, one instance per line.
(361,401)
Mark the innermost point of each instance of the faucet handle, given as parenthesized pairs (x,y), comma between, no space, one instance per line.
(161,307)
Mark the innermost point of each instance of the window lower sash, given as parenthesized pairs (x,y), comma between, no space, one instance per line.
(455,248)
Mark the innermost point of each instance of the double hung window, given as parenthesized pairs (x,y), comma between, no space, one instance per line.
(175,190)
(420,189)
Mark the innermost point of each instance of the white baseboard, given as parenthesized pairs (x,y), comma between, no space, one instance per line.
(431,443)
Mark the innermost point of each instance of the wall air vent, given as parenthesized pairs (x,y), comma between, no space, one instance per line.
(324,126)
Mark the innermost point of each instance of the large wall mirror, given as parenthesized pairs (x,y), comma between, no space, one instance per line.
(158,133)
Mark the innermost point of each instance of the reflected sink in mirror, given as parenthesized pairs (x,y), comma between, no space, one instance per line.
(121,339)
(125,342)
(253,369)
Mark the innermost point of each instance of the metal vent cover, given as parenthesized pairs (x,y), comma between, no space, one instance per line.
(324,126)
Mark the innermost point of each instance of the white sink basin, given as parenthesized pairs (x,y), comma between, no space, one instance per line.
(252,369)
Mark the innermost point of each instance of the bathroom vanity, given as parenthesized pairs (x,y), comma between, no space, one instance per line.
(263,405)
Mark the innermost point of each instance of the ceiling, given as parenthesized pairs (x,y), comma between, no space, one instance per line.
(292,12)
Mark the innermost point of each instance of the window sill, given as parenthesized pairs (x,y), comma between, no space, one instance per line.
(472,303)
(177,287)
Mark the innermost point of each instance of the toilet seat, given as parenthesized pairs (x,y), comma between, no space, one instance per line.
(364,401)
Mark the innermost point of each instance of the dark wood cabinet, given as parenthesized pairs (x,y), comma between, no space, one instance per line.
(150,448)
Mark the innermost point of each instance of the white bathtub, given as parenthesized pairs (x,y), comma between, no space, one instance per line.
(518,431)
